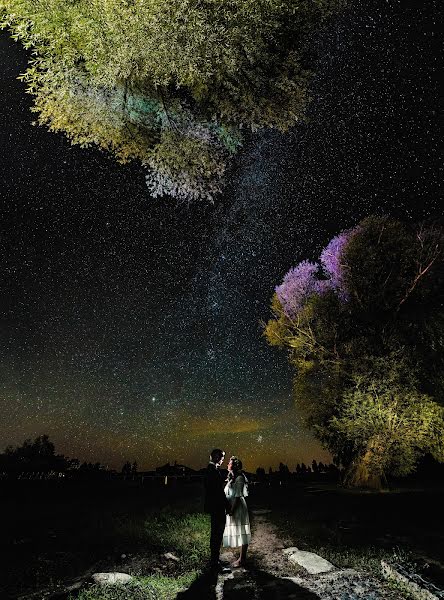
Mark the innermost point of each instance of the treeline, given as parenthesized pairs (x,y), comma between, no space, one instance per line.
(428,470)
(325,472)
(38,460)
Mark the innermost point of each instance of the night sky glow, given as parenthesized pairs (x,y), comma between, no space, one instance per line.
(131,326)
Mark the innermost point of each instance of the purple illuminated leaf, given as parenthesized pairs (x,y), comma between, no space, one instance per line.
(298,285)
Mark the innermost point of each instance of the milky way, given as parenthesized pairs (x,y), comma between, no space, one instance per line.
(131,327)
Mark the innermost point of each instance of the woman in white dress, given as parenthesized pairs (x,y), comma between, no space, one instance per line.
(237,527)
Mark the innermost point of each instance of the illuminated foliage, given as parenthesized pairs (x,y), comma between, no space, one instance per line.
(386,423)
(367,345)
(299,284)
(169,82)
(332,261)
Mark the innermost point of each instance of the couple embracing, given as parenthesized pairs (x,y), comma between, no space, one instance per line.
(225,502)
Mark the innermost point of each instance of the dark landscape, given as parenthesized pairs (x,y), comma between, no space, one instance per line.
(58,532)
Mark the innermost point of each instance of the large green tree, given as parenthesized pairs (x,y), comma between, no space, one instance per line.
(364,329)
(170,82)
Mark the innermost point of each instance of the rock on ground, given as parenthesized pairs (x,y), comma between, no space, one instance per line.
(313,563)
(106,578)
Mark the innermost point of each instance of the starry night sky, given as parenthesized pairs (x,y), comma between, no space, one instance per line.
(130,326)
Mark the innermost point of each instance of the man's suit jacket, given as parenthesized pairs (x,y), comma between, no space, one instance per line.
(215,499)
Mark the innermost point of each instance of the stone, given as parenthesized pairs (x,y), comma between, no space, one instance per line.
(311,562)
(75,586)
(171,556)
(419,589)
(107,578)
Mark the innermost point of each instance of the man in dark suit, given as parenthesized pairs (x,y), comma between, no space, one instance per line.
(216,504)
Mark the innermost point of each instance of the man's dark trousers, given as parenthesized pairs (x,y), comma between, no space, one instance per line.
(217,532)
(216,505)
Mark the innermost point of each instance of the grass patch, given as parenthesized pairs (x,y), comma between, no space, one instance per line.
(366,558)
(52,534)
(129,591)
(186,535)
(155,587)
(343,550)
(152,534)
(168,587)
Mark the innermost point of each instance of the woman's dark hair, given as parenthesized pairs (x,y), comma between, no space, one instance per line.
(236,464)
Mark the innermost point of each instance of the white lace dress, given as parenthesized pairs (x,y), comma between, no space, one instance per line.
(237,526)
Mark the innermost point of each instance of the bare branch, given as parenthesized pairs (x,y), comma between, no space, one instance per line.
(421,274)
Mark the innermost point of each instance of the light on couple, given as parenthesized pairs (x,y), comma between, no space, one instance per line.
(225,502)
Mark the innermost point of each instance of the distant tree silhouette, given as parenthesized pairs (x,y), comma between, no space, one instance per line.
(91,471)
(127,469)
(33,456)
(38,459)
(284,472)
(260,473)
(315,467)
(283,468)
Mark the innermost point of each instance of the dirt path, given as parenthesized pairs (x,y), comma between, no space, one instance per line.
(270,576)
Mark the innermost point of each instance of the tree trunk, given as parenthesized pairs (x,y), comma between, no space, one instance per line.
(365,470)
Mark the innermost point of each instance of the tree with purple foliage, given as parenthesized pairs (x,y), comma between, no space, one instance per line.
(305,280)
(300,283)
(363,329)
(332,261)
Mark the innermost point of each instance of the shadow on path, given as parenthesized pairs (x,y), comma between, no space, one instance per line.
(249,584)
(257,584)
(203,587)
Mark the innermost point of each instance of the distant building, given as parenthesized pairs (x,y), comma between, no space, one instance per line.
(175,470)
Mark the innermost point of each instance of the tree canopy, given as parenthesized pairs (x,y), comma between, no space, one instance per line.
(173,83)
(37,455)
(364,329)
